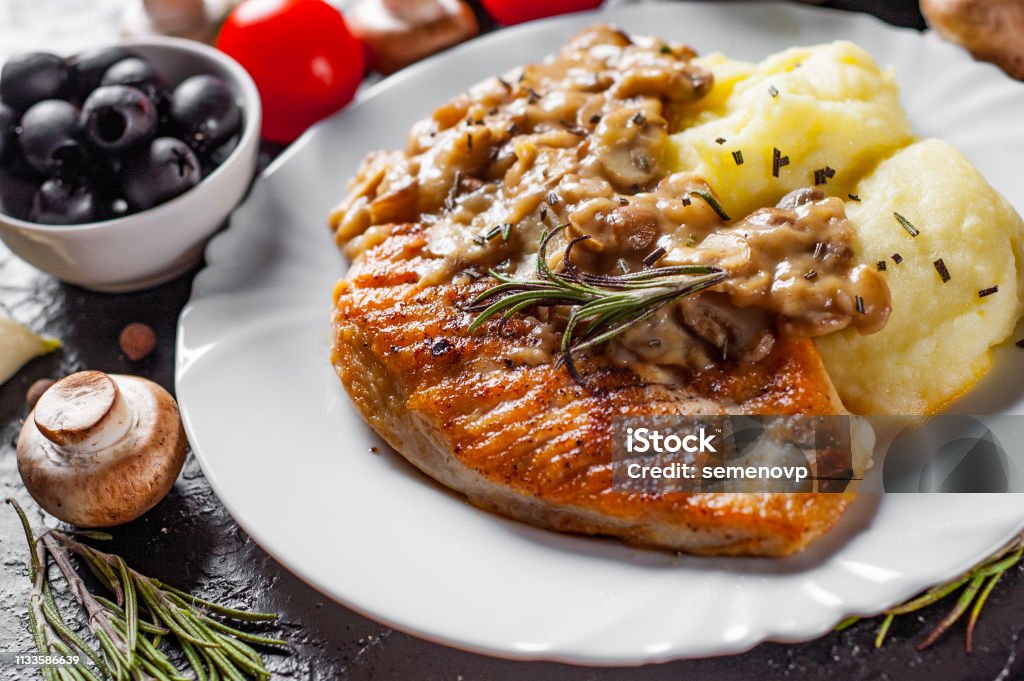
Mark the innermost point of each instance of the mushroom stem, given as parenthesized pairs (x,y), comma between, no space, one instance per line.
(84,414)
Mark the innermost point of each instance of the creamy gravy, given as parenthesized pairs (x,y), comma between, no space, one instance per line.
(580,140)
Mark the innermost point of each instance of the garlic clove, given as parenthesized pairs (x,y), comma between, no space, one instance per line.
(18,345)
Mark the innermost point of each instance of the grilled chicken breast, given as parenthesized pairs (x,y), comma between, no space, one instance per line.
(530,443)
(572,146)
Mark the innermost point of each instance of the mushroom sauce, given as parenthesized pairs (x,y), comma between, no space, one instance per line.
(581,140)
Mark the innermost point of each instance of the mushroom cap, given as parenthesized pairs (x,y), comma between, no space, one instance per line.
(101,450)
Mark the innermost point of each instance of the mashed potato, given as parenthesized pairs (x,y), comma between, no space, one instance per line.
(936,343)
(831,107)
(835,110)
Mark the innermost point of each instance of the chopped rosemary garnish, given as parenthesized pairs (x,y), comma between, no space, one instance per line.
(940,267)
(853,197)
(897,258)
(773,91)
(985,292)
(778,161)
(469,141)
(552,198)
(608,305)
(453,191)
(977,584)
(639,118)
(880,266)
(810,274)
(720,140)
(505,230)
(686,201)
(654,256)
(595,119)
(906,224)
(130,627)
(858,302)
(737,156)
(665,49)
(823,175)
(713,202)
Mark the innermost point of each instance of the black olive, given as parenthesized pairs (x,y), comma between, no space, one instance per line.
(50,138)
(205,113)
(217,156)
(86,69)
(60,203)
(138,73)
(31,77)
(165,169)
(116,118)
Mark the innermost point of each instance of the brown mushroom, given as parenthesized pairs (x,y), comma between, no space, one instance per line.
(399,32)
(742,334)
(992,30)
(100,450)
(629,145)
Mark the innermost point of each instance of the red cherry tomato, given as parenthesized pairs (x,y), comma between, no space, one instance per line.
(517,11)
(305,62)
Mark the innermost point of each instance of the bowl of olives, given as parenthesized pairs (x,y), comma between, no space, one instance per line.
(118,164)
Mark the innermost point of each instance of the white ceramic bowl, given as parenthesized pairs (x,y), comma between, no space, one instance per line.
(153,246)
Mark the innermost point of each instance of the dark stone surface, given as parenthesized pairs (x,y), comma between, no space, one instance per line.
(191,542)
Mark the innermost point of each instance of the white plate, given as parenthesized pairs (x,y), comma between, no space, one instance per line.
(291,460)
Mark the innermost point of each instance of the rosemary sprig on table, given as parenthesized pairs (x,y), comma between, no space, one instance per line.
(130,628)
(976,584)
(606,305)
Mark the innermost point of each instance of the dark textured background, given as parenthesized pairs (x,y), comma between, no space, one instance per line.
(191,542)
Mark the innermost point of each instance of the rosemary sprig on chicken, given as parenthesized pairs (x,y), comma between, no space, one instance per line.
(604,306)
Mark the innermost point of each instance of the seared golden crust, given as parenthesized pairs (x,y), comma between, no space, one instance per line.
(528,442)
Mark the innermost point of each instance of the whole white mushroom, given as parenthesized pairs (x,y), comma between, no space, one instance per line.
(100,450)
